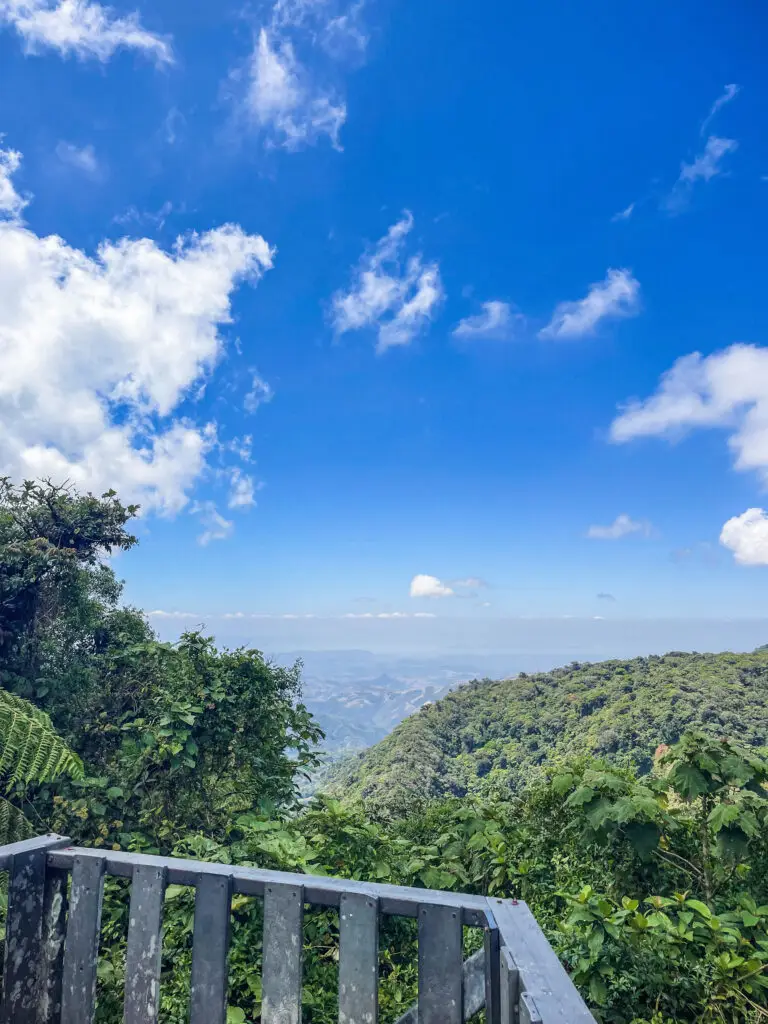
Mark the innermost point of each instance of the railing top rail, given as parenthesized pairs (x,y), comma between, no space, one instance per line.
(7,853)
(542,975)
(318,889)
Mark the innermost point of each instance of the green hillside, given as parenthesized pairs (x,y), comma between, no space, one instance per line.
(491,737)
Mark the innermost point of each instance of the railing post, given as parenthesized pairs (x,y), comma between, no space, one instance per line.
(23,980)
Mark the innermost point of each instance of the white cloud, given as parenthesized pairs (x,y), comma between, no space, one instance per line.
(215,526)
(496,321)
(618,296)
(707,164)
(81,157)
(283,99)
(399,300)
(728,94)
(100,351)
(389,615)
(747,537)
(726,389)
(11,203)
(242,490)
(80,28)
(158,613)
(259,393)
(472,582)
(622,526)
(704,167)
(624,214)
(429,586)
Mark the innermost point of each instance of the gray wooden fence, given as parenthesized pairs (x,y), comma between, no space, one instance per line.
(54,919)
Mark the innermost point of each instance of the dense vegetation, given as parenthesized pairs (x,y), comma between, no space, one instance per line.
(647,865)
(492,738)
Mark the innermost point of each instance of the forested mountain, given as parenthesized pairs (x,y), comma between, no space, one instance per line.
(652,887)
(490,738)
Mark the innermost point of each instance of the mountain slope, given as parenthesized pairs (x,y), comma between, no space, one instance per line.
(491,737)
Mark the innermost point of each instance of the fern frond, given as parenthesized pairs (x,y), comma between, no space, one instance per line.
(30,749)
(13,825)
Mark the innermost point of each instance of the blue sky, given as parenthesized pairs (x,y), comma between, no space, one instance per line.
(379,307)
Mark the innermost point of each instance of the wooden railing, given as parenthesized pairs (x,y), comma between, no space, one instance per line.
(53,926)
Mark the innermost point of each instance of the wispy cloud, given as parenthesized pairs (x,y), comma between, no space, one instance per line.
(82,158)
(293,100)
(496,321)
(624,214)
(259,393)
(618,296)
(81,28)
(398,298)
(707,164)
(605,597)
(215,526)
(729,93)
(242,490)
(622,526)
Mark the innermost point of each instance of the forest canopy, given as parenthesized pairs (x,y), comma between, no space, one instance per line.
(625,801)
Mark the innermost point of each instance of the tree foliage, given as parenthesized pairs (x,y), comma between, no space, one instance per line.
(613,798)
(493,738)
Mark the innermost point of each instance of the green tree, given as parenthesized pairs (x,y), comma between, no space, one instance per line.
(30,752)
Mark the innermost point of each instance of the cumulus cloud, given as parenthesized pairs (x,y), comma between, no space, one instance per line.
(99,353)
(398,298)
(11,203)
(83,158)
(80,28)
(618,296)
(429,586)
(729,390)
(622,526)
(747,537)
(496,320)
(726,389)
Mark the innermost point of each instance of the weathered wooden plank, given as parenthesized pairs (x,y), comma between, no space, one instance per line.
(441,997)
(282,960)
(81,948)
(542,975)
(473,972)
(54,931)
(210,948)
(491,973)
(358,959)
(48,842)
(145,946)
(321,891)
(24,937)
(509,987)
